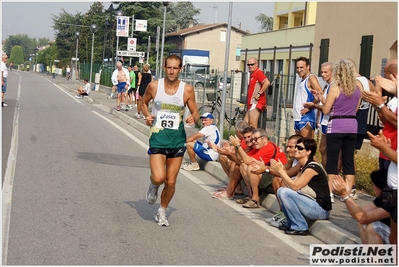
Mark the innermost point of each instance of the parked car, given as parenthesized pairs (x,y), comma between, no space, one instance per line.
(220,83)
(198,80)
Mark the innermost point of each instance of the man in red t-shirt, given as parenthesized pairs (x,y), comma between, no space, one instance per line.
(256,96)
(231,164)
(264,150)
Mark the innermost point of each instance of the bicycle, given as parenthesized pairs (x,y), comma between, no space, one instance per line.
(214,109)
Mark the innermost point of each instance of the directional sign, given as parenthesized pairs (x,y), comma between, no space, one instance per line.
(130,53)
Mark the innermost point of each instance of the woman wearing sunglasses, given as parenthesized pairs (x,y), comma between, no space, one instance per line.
(296,205)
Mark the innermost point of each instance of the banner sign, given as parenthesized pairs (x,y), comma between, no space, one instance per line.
(122,26)
(141,25)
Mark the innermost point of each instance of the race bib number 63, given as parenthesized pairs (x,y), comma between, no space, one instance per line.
(168,120)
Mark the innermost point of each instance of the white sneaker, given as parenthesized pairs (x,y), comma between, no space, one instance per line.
(192,166)
(138,116)
(160,218)
(276,217)
(278,223)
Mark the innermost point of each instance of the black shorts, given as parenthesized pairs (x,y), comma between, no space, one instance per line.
(130,91)
(169,153)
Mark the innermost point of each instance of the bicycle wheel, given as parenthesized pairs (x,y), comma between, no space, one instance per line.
(209,109)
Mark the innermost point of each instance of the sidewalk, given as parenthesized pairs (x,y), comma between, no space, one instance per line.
(340,228)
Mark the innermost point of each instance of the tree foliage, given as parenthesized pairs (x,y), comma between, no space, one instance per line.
(27,44)
(181,14)
(16,55)
(266,22)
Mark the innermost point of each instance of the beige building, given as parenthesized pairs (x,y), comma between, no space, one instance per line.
(292,36)
(365,32)
(211,37)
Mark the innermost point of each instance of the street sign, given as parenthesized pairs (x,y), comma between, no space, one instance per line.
(75,59)
(56,60)
(131,44)
(130,53)
(141,25)
(122,26)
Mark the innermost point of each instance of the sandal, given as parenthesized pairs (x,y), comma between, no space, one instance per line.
(251,204)
(118,108)
(243,200)
(220,195)
(222,189)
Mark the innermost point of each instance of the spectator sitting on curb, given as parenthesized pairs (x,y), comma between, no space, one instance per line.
(84,91)
(264,151)
(292,168)
(231,163)
(209,133)
(297,203)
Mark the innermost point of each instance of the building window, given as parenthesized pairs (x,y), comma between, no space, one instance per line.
(366,52)
(324,49)
(223,36)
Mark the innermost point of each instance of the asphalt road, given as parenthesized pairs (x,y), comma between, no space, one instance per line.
(78,196)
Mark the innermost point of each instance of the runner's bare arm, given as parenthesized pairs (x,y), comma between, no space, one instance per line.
(149,94)
(189,99)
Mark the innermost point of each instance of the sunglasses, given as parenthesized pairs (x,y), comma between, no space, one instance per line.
(300,148)
(255,139)
(250,64)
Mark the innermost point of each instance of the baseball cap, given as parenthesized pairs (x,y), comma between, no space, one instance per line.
(207,115)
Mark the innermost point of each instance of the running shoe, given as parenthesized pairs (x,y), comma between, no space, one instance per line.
(152,194)
(276,217)
(279,223)
(160,218)
(192,166)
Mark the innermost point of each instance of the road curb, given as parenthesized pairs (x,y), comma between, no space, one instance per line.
(323,230)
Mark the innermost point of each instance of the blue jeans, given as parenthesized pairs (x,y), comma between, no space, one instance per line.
(297,207)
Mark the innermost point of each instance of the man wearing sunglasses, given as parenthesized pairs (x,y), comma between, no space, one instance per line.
(256,96)
(263,151)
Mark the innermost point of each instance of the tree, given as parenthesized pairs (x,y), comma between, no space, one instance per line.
(181,14)
(17,55)
(65,26)
(27,44)
(266,22)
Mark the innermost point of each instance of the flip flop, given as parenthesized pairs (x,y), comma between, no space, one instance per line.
(219,195)
(222,189)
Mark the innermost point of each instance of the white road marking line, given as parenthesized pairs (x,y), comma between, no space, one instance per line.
(250,215)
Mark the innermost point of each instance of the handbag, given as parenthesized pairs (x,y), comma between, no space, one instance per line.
(307,190)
